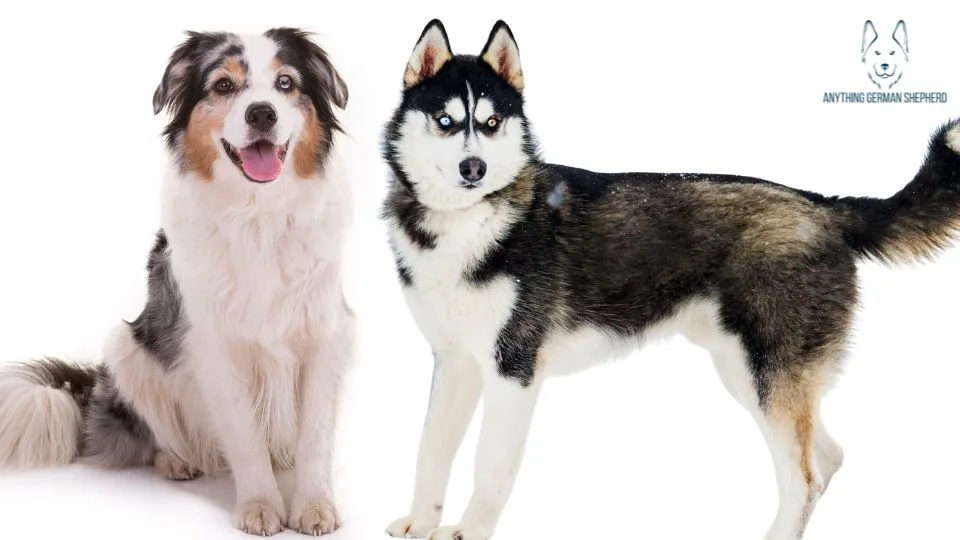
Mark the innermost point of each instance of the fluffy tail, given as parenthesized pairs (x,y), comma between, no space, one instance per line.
(921,219)
(41,412)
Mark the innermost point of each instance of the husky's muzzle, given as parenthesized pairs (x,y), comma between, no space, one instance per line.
(472,171)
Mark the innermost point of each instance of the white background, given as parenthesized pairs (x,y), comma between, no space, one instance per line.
(651,447)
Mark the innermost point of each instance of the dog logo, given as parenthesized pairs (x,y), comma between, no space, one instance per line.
(884,58)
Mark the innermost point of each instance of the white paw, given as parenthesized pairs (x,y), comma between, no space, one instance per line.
(262,518)
(458,532)
(413,526)
(168,466)
(314,517)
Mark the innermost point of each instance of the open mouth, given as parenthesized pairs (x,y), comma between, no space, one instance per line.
(260,161)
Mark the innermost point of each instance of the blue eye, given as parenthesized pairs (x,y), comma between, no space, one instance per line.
(445,121)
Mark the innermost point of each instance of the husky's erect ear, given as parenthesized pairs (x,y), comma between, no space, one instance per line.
(869,36)
(900,36)
(430,54)
(503,55)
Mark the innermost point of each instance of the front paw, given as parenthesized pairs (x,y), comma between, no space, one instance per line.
(458,532)
(413,526)
(314,517)
(260,517)
(171,467)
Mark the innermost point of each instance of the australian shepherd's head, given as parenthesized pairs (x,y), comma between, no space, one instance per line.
(460,133)
(256,107)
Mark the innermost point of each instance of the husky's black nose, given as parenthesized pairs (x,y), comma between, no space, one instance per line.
(473,169)
(261,116)
(884,66)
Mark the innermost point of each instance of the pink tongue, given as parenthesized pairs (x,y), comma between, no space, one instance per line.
(261,161)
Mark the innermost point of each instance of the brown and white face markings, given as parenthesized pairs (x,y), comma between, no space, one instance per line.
(242,104)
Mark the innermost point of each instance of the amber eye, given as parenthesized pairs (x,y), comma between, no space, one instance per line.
(493,122)
(284,83)
(224,86)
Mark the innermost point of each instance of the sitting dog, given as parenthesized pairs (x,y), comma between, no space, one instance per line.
(236,359)
(515,269)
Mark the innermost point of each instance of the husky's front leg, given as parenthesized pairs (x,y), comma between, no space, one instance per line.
(508,409)
(312,510)
(220,377)
(454,395)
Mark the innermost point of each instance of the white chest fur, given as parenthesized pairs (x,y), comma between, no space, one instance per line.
(259,259)
(451,312)
(258,268)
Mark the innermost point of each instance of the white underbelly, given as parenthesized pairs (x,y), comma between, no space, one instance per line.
(587,346)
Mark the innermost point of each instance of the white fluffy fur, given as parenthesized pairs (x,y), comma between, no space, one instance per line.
(953,138)
(455,109)
(39,425)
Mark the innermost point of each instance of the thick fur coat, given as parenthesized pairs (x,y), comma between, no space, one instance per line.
(515,269)
(236,361)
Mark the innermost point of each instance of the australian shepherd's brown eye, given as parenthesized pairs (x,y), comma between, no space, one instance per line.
(224,86)
(284,83)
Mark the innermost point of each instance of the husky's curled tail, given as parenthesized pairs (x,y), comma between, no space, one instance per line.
(918,221)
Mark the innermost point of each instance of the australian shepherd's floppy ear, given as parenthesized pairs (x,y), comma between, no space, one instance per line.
(515,269)
(236,359)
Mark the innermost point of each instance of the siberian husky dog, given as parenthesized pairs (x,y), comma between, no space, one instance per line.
(236,359)
(515,269)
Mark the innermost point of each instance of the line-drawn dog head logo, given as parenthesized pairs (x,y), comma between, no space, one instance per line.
(884,58)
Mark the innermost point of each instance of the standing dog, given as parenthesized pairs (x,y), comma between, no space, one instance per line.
(236,359)
(515,269)
(885,58)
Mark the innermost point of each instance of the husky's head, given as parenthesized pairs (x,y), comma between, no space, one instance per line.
(884,57)
(460,133)
(241,105)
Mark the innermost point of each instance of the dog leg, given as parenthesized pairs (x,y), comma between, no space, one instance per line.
(260,508)
(312,510)
(508,411)
(790,436)
(829,454)
(797,441)
(454,395)
(169,466)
